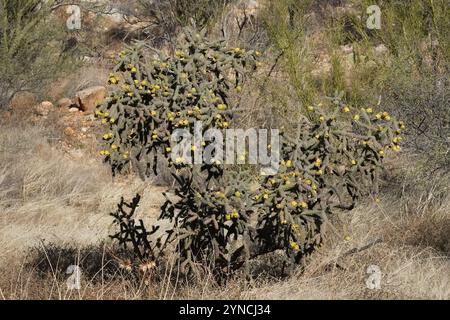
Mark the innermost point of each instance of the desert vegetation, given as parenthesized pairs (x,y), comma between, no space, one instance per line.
(87,176)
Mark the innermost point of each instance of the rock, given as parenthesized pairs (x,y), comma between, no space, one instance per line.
(347,49)
(88,99)
(73,110)
(64,103)
(69,132)
(380,49)
(23,100)
(44,108)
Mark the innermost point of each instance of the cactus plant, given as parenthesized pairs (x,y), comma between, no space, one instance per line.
(334,157)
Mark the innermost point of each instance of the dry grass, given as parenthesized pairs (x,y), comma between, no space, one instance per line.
(45,195)
(47,198)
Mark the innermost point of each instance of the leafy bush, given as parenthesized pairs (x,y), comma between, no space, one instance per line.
(216,215)
(164,18)
(31,47)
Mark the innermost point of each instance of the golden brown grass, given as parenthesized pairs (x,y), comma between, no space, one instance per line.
(46,197)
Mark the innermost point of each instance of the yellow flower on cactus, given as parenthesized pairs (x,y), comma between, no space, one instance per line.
(133,70)
(310,108)
(293,203)
(396,148)
(221,106)
(168,149)
(318,163)
(235,215)
(346,109)
(369,110)
(304,205)
(347,238)
(288,163)
(354,162)
(220,194)
(113,80)
(228,217)
(356,117)
(107,136)
(237,194)
(114,147)
(294,245)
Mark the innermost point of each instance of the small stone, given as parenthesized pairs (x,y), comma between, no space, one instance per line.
(381,49)
(69,132)
(88,99)
(64,103)
(73,110)
(44,108)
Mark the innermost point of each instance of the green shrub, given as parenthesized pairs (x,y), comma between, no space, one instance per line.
(217,216)
(31,47)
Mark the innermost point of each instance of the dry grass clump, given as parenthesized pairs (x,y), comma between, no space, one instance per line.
(46,195)
(409,271)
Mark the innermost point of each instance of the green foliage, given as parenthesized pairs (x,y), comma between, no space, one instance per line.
(157,95)
(167,16)
(31,47)
(334,159)
(216,215)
